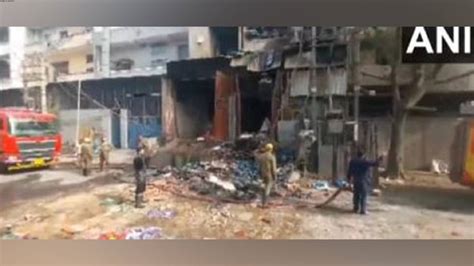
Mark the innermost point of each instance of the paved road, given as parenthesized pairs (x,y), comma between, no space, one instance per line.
(18,187)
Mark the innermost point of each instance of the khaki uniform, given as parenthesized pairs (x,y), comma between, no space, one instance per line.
(86,157)
(268,169)
(105,149)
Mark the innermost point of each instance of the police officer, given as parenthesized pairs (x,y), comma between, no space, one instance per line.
(267,163)
(359,176)
(140,178)
(86,156)
(104,154)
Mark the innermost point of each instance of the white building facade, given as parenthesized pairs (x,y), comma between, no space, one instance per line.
(12,53)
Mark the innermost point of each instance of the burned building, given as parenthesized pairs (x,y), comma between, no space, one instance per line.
(227,92)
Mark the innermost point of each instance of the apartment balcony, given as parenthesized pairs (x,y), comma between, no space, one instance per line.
(35,47)
(74,77)
(138,72)
(143,35)
(70,44)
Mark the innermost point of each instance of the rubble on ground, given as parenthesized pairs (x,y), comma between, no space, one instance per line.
(230,173)
(439,167)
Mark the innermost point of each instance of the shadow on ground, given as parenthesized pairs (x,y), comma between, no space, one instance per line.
(459,200)
(29,188)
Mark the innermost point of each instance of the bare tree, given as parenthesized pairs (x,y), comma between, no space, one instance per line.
(423,78)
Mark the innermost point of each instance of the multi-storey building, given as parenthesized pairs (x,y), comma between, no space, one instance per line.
(12,43)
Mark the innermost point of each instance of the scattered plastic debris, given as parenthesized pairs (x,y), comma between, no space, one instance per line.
(439,167)
(141,233)
(224,184)
(321,185)
(159,214)
(341,183)
(112,236)
(294,177)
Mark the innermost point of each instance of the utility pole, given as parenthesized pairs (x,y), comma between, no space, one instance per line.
(313,91)
(44,82)
(356,78)
(78,113)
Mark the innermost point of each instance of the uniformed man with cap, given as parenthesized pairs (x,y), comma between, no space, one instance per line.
(104,155)
(267,163)
(86,156)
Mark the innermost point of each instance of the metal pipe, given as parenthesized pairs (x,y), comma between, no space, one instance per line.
(78,114)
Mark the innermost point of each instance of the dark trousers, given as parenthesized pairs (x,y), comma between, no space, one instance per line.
(147,162)
(360,197)
(140,183)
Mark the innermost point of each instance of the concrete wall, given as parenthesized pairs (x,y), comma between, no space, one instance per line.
(99,119)
(77,61)
(201,43)
(426,138)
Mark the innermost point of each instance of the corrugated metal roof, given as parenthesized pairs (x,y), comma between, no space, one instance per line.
(299,83)
(329,82)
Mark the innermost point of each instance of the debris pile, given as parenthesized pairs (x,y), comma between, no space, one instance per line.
(159,214)
(230,173)
(148,233)
(112,236)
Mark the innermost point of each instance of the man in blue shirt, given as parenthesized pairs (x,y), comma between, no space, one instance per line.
(359,176)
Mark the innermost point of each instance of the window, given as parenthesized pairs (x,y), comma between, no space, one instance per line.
(183,52)
(4,69)
(4,35)
(158,63)
(158,49)
(1,124)
(61,67)
(89,58)
(30,127)
(34,35)
(63,34)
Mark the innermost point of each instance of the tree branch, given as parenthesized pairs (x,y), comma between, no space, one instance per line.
(453,78)
(367,74)
(422,109)
(436,70)
(417,88)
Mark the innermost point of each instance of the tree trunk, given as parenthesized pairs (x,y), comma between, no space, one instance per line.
(395,155)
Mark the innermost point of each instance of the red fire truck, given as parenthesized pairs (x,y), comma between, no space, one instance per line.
(28,139)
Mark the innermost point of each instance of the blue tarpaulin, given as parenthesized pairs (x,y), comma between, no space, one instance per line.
(147,127)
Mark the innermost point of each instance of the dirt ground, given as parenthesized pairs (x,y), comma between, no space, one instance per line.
(423,207)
